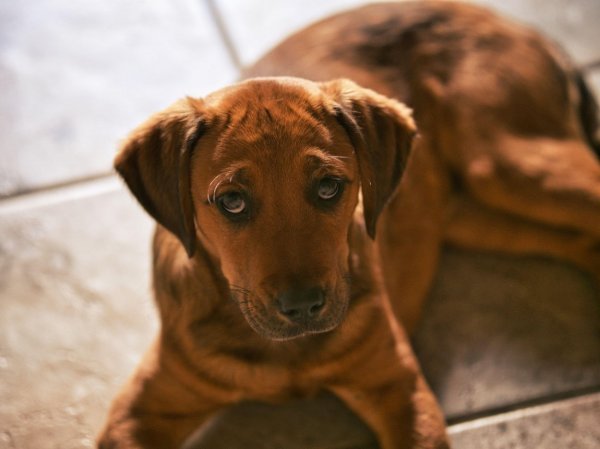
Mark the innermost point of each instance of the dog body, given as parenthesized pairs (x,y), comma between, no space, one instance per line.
(268,195)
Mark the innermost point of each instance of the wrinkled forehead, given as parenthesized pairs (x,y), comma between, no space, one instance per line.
(276,125)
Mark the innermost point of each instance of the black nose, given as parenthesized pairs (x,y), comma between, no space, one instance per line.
(301,304)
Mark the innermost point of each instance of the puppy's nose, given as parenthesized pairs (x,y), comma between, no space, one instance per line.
(301,305)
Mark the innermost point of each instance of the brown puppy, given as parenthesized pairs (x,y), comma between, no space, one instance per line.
(261,253)
(266,278)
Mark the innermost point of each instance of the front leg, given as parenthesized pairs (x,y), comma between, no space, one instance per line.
(156,409)
(388,391)
(397,423)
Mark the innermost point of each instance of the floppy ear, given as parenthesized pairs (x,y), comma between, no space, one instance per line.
(381,130)
(154,161)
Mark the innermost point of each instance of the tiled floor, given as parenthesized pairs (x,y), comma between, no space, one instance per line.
(75,309)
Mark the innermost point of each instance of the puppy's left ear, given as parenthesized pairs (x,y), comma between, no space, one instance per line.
(154,161)
(381,130)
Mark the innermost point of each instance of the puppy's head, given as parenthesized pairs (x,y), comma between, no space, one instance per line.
(265,175)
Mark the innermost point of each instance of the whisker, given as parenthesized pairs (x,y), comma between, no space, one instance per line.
(218,180)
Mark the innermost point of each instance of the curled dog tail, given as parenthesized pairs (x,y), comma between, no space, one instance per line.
(588,114)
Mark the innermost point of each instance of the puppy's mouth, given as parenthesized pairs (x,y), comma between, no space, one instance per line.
(269,322)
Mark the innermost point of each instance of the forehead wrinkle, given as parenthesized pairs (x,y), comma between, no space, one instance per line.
(312,120)
(286,112)
(236,115)
(269,122)
(320,158)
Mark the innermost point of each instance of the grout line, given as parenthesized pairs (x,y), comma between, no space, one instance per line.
(529,407)
(60,193)
(54,186)
(225,35)
(522,413)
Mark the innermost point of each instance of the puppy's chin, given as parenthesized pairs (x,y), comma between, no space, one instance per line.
(274,327)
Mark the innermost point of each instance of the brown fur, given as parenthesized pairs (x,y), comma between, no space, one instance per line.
(503,162)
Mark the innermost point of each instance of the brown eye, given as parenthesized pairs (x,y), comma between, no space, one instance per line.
(328,188)
(232,203)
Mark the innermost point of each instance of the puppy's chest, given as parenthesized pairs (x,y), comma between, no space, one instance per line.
(272,376)
(246,366)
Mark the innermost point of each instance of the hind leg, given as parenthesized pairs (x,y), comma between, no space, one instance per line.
(476,226)
(552,181)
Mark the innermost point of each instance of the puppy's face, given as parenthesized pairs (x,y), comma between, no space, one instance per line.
(274,184)
(265,176)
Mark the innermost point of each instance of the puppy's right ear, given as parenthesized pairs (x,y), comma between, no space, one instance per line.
(154,161)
